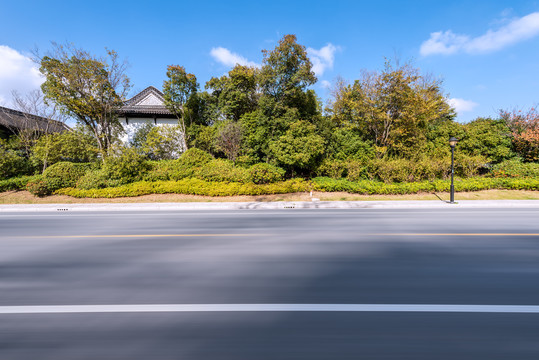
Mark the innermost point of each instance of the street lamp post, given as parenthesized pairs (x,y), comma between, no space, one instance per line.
(452,142)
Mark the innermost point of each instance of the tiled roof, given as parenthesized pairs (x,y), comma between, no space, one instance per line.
(18,120)
(149,101)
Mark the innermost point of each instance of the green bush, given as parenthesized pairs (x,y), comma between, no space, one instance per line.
(357,170)
(128,166)
(97,179)
(190,186)
(264,173)
(371,187)
(333,168)
(72,146)
(17,183)
(222,170)
(515,168)
(64,174)
(161,170)
(12,164)
(38,188)
(194,158)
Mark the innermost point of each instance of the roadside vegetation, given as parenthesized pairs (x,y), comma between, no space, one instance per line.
(260,131)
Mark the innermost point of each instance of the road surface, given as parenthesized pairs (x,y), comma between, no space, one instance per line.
(280,284)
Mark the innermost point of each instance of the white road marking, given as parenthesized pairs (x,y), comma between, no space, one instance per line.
(145,308)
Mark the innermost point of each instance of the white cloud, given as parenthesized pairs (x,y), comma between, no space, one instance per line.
(322,59)
(228,58)
(462,105)
(447,42)
(17,72)
(325,84)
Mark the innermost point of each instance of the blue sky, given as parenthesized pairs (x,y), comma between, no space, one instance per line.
(487,52)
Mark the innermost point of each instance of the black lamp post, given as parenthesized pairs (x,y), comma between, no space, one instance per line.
(452,142)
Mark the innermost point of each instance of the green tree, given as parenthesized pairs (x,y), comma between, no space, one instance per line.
(286,74)
(487,137)
(179,93)
(284,79)
(235,94)
(393,108)
(88,88)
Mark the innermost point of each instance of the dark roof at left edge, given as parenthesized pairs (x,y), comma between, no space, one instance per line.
(17,119)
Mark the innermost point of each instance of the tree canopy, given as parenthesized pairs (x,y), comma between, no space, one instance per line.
(88,88)
(179,91)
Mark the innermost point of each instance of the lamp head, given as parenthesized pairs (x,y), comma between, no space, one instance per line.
(453,141)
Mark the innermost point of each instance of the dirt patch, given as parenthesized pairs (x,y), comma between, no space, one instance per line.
(24,197)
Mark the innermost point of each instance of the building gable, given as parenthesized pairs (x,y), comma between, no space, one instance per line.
(148,103)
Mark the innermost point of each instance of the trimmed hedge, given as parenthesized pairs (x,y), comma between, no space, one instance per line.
(190,186)
(369,187)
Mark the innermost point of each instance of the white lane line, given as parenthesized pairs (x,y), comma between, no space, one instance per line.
(437,308)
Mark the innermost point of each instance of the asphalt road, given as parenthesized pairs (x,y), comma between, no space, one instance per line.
(129,260)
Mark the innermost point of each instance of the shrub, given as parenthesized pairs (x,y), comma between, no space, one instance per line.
(469,165)
(195,157)
(264,173)
(222,170)
(64,174)
(18,183)
(38,188)
(161,170)
(164,142)
(12,164)
(97,179)
(370,187)
(333,168)
(126,167)
(72,146)
(515,168)
(190,186)
(357,170)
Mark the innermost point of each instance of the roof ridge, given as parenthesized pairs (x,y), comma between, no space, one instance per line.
(141,95)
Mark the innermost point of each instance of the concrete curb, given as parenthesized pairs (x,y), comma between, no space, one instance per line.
(426,204)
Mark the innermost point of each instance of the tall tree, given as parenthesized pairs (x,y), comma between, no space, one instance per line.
(88,88)
(392,108)
(179,90)
(235,94)
(287,73)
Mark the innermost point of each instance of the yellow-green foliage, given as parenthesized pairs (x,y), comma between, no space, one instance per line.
(371,187)
(190,186)
(64,174)
(515,168)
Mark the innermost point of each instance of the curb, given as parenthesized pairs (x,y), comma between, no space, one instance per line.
(425,204)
